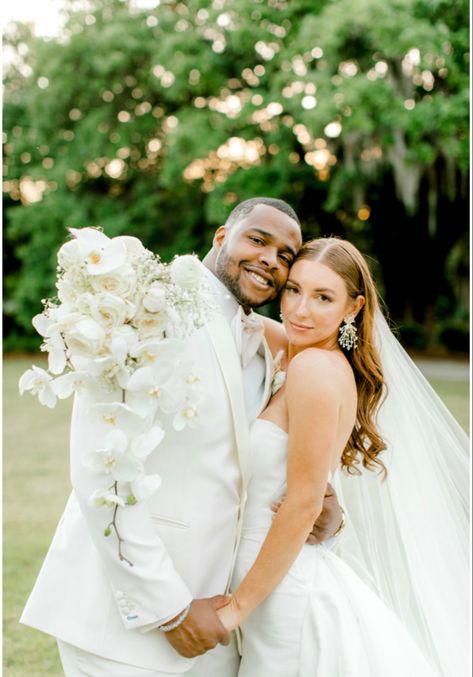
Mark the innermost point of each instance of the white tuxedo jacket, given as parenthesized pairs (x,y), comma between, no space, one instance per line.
(181,542)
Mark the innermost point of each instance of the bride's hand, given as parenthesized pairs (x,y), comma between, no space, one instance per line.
(230,614)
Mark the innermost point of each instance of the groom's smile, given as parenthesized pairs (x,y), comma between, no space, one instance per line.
(260,276)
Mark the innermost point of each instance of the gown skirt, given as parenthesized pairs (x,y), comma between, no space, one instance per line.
(322,620)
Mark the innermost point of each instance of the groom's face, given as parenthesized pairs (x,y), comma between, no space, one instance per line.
(255,254)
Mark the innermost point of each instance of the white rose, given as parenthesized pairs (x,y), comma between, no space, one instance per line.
(186,271)
(67,290)
(150,325)
(119,282)
(155,299)
(108,310)
(84,303)
(86,337)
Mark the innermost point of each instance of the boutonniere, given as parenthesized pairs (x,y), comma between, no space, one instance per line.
(279,376)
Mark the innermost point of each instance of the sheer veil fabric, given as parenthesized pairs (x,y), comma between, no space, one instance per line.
(408,537)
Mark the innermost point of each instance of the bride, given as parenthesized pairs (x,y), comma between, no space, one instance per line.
(393,602)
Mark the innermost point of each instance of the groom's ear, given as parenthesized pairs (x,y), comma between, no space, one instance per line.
(219,236)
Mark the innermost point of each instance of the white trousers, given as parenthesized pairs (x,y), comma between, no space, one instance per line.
(223,661)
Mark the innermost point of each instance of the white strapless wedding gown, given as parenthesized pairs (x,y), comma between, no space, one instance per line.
(322,620)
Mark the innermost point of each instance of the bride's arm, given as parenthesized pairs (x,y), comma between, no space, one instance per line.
(330,520)
(313,400)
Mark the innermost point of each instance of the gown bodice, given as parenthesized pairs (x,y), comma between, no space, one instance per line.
(268,474)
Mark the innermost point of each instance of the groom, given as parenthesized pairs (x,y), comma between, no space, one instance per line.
(147,620)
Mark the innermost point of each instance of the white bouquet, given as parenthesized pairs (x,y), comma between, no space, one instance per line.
(117,325)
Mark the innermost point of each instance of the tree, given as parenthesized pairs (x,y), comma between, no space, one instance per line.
(157,122)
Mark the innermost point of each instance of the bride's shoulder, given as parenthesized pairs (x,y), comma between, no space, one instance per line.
(319,368)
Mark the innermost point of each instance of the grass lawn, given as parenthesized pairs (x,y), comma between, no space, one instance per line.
(36,485)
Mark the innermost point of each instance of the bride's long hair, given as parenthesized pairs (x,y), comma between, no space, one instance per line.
(365,443)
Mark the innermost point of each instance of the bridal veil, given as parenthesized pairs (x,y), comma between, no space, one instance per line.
(408,537)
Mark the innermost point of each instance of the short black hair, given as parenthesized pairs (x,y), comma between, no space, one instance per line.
(245,207)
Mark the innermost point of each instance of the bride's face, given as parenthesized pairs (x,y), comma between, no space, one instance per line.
(314,303)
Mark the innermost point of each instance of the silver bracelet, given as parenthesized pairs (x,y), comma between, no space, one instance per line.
(167,627)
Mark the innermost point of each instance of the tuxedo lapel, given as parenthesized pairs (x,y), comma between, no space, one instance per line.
(269,365)
(229,361)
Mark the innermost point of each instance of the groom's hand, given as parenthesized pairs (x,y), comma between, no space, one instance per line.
(201,630)
(328,521)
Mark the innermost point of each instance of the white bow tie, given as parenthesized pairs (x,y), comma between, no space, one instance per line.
(248,333)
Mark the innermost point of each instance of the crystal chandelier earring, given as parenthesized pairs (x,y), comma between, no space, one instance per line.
(348,338)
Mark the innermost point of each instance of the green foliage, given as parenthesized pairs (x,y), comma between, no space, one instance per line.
(413,335)
(455,335)
(156,122)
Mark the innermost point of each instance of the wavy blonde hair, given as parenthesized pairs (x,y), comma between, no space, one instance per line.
(365,443)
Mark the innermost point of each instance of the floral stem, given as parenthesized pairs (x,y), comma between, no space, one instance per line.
(113,525)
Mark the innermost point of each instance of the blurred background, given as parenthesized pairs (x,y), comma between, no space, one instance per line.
(156,118)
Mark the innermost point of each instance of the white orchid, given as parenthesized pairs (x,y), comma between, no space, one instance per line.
(186,416)
(37,381)
(100,261)
(64,317)
(152,352)
(110,372)
(106,499)
(67,384)
(69,254)
(89,237)
(116,415)
(53,344)
(99,253)
(114,460)
(192,412)
(145,486)
(144,445)
(133,245)
(153,388)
